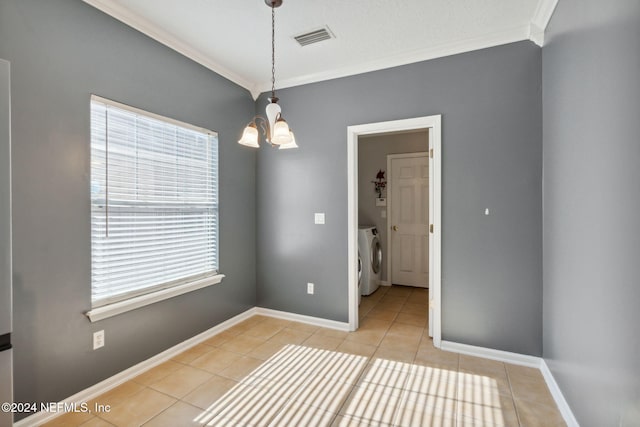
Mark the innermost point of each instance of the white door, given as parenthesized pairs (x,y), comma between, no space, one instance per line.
(409,219)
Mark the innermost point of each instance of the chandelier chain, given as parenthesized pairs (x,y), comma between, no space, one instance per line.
(273,50)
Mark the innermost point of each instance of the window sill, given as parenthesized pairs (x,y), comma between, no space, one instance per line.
(143,300)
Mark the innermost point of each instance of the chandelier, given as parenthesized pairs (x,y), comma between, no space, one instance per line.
(274,128)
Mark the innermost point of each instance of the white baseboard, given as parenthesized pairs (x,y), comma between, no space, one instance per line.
(316,321)
(385,283)
(563,406)
(489,353)
(522,360)
(103,386)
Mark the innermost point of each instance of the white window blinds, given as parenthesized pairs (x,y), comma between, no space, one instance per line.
(154,202)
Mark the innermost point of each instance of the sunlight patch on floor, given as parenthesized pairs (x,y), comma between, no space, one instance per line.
(308,386)
(297,384)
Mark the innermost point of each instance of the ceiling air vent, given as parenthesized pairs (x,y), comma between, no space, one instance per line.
(314,36)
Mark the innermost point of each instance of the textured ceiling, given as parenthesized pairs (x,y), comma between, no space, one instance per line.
(233,37)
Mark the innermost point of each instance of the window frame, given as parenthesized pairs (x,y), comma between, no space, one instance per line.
(159,292)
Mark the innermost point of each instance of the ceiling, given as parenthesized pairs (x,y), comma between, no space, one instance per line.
(233,38)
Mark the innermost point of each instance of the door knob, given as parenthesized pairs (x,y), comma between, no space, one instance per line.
(394,228)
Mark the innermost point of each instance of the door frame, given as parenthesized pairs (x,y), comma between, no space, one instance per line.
(434,124)
(391,157)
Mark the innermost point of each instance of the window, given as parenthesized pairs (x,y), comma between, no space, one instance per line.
(154,203)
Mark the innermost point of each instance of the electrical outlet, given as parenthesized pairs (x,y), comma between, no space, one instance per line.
(98,339)
(310,288)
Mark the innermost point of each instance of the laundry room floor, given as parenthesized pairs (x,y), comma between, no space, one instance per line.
(273,372)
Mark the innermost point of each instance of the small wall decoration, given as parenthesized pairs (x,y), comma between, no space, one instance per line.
(380,183)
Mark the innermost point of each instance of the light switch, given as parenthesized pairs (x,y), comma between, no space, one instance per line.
(319,217)
(486,211)
(383,213)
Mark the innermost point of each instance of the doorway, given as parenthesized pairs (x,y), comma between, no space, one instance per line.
(433,125)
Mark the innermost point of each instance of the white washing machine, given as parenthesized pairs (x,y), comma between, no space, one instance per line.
(371,253)
(359,278)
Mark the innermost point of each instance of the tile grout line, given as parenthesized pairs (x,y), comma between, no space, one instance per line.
(513,399)
(353,387)
(297,392)
(457,394)
(161,412)
(138,392)
(403,390)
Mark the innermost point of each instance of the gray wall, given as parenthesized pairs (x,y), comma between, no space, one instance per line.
(372,156)
(61,52)
(591,86)
(491,106)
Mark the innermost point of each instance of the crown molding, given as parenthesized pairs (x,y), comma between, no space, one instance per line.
(255,92)
(540,20)
(534,31)
(145,27)
(445,49)
(536,34)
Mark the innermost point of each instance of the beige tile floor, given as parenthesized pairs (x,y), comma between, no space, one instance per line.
(395,378)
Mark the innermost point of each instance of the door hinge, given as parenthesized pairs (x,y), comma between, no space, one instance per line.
(431,153)
(431,228)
